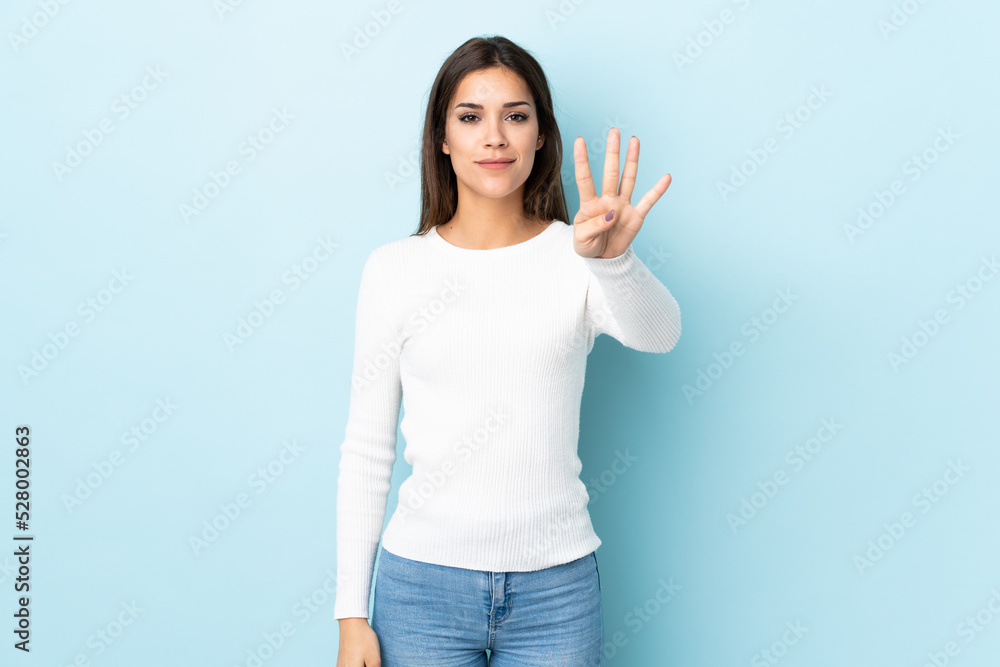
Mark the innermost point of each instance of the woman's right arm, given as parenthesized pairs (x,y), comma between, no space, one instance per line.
(367,456)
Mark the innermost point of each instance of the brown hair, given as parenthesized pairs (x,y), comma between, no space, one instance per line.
(543,191)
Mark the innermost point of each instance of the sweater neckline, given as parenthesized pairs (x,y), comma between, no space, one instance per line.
(484,252)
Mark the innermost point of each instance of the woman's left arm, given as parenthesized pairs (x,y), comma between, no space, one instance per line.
(624,299)
(627,302)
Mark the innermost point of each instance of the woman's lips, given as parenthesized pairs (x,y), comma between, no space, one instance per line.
(495,165)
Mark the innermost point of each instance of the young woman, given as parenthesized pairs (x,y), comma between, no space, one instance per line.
(481,322)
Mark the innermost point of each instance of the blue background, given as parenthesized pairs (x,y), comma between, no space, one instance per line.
(342,171)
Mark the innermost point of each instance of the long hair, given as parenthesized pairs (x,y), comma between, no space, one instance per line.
(543,191)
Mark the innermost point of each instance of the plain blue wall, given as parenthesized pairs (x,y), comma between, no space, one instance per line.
(712,89)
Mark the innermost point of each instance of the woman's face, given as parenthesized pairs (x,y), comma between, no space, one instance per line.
(480,127)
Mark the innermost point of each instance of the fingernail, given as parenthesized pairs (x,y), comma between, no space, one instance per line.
(610,214)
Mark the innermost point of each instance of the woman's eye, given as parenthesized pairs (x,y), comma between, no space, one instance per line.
(469,115)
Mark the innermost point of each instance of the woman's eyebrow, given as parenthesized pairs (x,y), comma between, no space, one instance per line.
(507,105)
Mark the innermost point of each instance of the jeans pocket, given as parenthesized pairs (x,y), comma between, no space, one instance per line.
(594,554)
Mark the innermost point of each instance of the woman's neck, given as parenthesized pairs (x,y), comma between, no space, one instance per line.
(490,232)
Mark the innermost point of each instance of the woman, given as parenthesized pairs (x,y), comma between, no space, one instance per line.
(481,322)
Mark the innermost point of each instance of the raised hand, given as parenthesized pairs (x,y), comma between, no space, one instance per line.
(593,235)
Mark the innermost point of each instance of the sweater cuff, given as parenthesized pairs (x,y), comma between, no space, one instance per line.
(612,266)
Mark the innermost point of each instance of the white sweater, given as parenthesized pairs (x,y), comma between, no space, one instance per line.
(487,349)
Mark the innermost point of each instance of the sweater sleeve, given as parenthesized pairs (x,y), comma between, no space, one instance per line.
(627,302)
(369,447)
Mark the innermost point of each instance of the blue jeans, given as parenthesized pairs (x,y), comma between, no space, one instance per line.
(432,615)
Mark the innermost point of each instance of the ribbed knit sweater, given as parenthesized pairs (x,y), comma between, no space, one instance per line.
(487,350)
